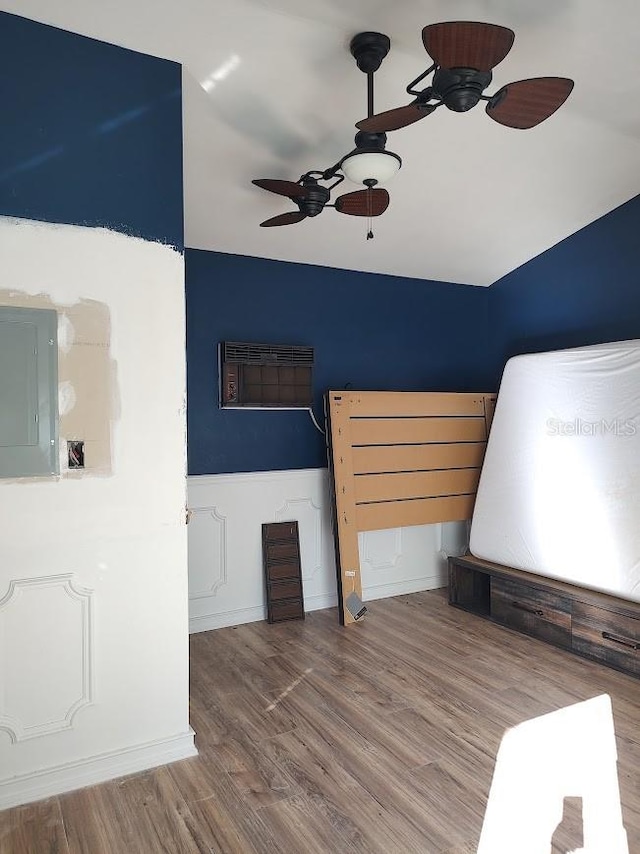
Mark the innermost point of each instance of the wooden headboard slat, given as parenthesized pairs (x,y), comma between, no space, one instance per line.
(406,404)
(396,458)
(421,511)
(406,431)
(425,484)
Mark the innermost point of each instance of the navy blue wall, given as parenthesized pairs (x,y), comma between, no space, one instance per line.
(91,133)
(585,290)
(369,331)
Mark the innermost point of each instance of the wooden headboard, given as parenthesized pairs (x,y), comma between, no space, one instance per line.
(399,459)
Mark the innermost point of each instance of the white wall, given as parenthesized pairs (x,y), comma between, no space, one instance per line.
(226,585)
(93,564)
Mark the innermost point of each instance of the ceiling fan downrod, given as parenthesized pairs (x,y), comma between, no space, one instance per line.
(369,49)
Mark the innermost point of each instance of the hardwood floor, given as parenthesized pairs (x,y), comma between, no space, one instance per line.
(379,738)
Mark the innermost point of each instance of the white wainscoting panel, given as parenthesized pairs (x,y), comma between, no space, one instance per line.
(309,516)
(208,544)
(226,583)
(49,621)
(400,560)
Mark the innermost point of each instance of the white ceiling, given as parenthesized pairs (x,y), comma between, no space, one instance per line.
(271,91)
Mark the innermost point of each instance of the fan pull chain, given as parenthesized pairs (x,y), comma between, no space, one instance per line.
(369,210)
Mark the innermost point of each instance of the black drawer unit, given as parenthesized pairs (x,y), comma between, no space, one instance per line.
(282,571)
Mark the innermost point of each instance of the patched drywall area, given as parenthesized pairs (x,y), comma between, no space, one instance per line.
(93,569)
(88,400)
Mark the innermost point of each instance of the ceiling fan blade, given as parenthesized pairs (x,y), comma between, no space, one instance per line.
(363,203)
(466,44)
(526,103)
(284,219)
(282,188)
(396,119)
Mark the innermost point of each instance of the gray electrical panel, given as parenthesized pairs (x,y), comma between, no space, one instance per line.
(28,392)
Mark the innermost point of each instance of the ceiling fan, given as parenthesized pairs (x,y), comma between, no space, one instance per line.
(312,198)
(464,54)
(368,163)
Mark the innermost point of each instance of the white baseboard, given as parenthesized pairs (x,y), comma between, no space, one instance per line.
(320,601)
(98,769)
(223,619)
(400,588)
(237,617)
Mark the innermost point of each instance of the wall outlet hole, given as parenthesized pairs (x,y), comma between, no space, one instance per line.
(75,452)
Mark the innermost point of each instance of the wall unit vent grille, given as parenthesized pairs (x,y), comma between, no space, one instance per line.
(266,354)
(265,376)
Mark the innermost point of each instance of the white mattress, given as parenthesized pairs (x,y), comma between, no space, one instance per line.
(559,492)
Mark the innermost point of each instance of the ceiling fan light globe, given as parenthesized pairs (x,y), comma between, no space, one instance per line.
(377,166)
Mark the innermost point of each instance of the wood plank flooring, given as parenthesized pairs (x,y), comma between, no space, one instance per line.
(379,738)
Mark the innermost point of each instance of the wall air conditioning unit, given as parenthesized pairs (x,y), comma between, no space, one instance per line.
(265,376)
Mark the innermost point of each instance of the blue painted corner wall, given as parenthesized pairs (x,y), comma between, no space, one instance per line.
(368,331)
(585,290)
(384,332)
(91,133)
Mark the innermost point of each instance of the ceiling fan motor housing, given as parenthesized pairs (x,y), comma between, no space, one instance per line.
(314,200)
(460,88)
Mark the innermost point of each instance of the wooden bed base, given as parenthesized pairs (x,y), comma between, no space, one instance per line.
(398,459)
(595,625)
